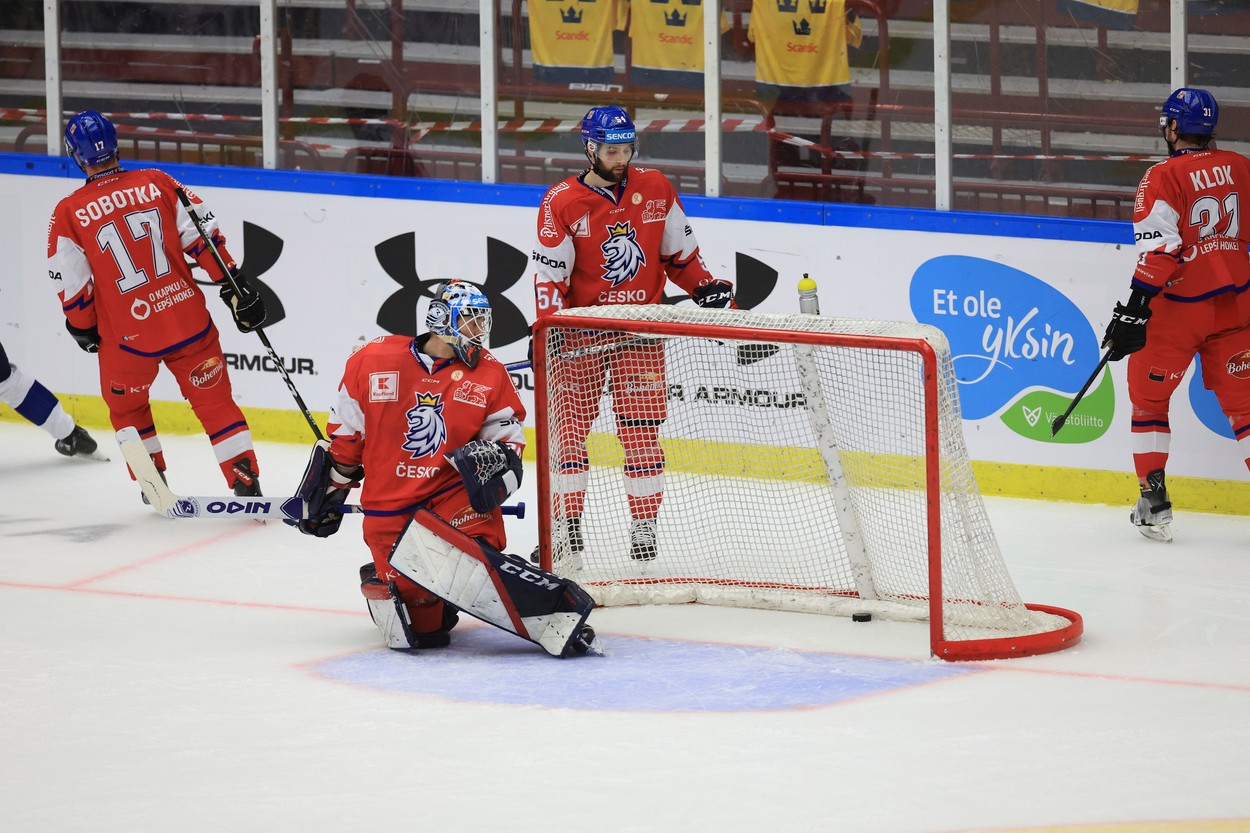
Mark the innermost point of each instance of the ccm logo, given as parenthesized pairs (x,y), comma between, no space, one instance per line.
(527,575)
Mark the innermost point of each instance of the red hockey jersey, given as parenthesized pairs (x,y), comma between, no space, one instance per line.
(115,252)
(399,411)
(1191,239)
(599,247)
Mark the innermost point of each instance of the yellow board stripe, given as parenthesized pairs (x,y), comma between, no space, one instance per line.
(1230,497)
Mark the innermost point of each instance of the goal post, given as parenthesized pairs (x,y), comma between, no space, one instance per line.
(788,462)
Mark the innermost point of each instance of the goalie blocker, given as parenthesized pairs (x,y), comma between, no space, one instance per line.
(501,589)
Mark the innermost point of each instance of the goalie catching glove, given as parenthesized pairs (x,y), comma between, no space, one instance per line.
(324,489)
(491,471)
(246,305)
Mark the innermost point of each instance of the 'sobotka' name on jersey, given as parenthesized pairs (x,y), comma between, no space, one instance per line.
(106,204)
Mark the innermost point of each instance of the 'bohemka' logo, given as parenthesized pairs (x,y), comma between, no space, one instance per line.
(207,373)
(1239,365)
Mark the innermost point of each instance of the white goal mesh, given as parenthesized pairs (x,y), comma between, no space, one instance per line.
(793,462)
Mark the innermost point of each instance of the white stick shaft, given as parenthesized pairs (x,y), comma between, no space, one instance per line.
(166,502)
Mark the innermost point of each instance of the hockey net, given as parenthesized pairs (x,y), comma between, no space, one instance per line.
(808,463)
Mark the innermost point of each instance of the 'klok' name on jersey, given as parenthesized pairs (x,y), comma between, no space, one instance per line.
(722,395)
(1212,177)
(106,204)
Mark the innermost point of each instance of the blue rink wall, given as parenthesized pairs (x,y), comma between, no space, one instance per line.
(1022,300)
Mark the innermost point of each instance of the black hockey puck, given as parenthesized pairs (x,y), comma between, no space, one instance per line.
(861,616)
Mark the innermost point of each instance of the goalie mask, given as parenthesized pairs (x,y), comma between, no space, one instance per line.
(460,315)
(90,139)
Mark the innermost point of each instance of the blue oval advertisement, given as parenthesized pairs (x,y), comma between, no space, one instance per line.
(1021,348)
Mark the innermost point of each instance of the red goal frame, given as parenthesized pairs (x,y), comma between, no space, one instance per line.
(940,646)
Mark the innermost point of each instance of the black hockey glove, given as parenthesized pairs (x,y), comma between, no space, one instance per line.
(88,339)
(325,489)
(716,294)
(555,343)
(246,305)
(1126,333)
(491,471)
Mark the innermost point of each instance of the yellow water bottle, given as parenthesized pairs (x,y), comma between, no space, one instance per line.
(808,302)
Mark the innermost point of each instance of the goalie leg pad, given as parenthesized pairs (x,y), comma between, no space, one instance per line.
(503,590)
(394,622)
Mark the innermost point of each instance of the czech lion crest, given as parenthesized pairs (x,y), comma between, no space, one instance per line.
(622,255)
(426,429)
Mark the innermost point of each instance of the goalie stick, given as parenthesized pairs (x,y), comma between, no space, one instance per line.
(166,502)
(264,339)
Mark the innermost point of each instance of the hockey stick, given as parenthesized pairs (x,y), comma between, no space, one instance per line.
(1062,418)
(166,502)
(748,353)
(599,349)
(264,339)
(516,366)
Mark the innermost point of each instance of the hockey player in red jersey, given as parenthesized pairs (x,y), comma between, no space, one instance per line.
(615,234)
(404,406)
(116,251)
(1190,286)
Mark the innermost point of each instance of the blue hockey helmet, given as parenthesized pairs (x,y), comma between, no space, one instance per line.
(608,126)
(460,315)
(90,138)
(1194,111)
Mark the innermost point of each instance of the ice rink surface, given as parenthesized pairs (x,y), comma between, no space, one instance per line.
(210,675)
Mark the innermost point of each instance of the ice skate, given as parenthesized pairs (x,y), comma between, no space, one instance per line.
(566,554)
(246,483)
(79,444)
(1152,515)
(642,539)
(582,642)
(164,480)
